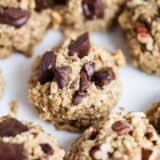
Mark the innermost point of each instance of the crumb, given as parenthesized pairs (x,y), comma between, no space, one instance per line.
(13,107)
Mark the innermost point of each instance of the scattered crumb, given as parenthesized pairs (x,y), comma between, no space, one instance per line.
(120,59)
(13,107)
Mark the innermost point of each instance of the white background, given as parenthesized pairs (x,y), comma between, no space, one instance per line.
(139,89)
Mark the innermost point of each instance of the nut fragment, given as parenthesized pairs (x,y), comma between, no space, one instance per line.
(146,153)
(121,127)
(141,28)
(93,150)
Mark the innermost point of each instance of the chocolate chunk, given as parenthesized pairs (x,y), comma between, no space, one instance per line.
(11,127)
(9,151)
(47,149)
(85,76)
(93,150)
(46,68)
(146,153)
(84,82)
(78,97)
(89,69)
(80,46)
(42,4)
(122,127)
(14,16)
(60,2)
(103,77)
(62,76)
(93,9)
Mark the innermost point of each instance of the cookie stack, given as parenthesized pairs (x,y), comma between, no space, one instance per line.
(76,85)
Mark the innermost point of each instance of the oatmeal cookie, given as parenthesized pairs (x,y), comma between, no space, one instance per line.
(153,115)
(76,84)
(140,22)
(26,141)
(21,29)
(124,136)
(23,24)
(91,15)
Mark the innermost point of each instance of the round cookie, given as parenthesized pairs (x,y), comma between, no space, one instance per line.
(26,141)
(76,84)
(140,22)
(21,29)
(124,136)
(24,23)
(56,9)
(153,114)
(91,15)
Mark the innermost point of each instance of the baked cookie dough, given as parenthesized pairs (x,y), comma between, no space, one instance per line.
(140,22)
(153,115)
(20,29)
(26,141)
(91,15)
(124,136)
(76,84)
(23,24)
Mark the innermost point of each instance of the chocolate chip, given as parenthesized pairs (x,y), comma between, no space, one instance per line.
(14,16)
(60,2)
(46,67)
(80,46)
(122,127)
(62,76)
(42,4)
(84,82)
(11,127)
(78,97)
(93,150)
(103,77)
(47,149)
(93,9)
(89,69)
(10,151)
(146,153)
